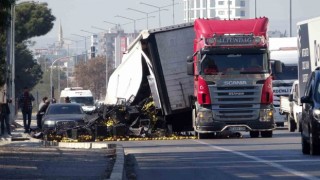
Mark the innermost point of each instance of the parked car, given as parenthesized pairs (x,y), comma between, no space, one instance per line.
(60,117)
(310,119)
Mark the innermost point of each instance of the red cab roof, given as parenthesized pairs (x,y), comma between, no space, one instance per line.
(207,27)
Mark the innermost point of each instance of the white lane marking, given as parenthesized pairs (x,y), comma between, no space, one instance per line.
(259,160)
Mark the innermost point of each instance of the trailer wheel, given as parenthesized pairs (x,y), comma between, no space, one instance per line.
(266,134)
(254,134)
(314,142)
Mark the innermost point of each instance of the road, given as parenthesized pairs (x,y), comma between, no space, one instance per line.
(279,157)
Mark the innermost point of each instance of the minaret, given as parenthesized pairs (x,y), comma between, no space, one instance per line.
(60,36)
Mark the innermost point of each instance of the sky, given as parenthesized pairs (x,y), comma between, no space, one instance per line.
(77,15)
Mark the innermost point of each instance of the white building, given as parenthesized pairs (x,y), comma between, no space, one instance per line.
(194,9)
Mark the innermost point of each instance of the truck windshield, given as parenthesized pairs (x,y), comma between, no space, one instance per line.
(87,101)
(288,72)
(234,64)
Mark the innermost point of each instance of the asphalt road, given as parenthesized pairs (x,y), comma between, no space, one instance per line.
(279,157)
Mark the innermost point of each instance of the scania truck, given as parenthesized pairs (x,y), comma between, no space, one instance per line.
(235,94)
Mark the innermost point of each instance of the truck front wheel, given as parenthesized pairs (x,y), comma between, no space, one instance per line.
(267,134)
(254,134)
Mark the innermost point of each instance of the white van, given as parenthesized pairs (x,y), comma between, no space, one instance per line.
(79,95)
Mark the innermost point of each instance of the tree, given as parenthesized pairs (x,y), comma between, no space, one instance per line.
(31,73)
(32,19)
(5,6)
(92,75)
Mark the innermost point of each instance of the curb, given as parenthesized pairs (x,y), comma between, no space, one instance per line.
(118,167)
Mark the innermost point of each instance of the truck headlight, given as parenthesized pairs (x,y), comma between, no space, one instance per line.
(205,116)
(266,115)
(316,114)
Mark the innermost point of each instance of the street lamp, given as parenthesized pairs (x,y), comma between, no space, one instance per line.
(94,27)
(85,44)
(159,9)
(12,54)
(133,20)
(116,25)
(51,84)
(146,13)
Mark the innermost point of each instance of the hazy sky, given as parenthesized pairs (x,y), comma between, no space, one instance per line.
(83,14)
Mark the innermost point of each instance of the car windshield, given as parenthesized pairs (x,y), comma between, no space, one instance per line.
(288,72)
(64,109)
(234,64)
(87,101)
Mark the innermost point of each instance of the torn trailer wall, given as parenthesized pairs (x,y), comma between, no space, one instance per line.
(160,56)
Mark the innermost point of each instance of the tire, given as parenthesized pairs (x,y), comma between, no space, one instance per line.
(266,134)
(292,126)
(254,134)
(314,142)
(280,124)
(305,145)
(202,136)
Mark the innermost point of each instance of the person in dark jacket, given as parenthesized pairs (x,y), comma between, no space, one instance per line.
(4,117)
(41,112)
(25,103)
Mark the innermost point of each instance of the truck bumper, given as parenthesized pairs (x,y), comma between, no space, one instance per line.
(235,126)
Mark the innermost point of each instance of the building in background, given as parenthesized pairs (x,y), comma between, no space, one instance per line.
(222,9)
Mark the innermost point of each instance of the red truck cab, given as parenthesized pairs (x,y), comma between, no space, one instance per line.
(232,77)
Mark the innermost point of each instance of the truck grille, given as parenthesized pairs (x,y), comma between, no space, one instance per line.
(235,103)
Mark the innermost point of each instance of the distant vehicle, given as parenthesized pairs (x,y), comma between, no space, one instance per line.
(81,96)
(290,106)
(284,50)
(62,116)
(309,83)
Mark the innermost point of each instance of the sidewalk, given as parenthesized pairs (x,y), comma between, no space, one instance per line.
(17,131)
(24,140)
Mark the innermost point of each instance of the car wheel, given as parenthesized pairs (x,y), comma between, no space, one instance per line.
(305,145)
(254,134)
(292,125)
(280,124)
(314,142)
(267,134)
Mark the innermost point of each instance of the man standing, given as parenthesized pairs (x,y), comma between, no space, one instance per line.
(25,103)
(4,117)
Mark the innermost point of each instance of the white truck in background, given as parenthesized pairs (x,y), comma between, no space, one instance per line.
(290,106)
(81,96)
(284,50)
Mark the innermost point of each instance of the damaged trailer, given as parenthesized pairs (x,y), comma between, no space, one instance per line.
(154,66)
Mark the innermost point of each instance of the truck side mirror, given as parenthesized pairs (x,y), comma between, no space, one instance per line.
(190,67)
(305,99)
(278,66)
(291,97)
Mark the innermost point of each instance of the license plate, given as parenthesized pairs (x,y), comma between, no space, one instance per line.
(240,128)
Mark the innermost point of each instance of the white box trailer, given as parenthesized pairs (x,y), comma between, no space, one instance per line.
(309,50)
(155,64)
(283,49)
